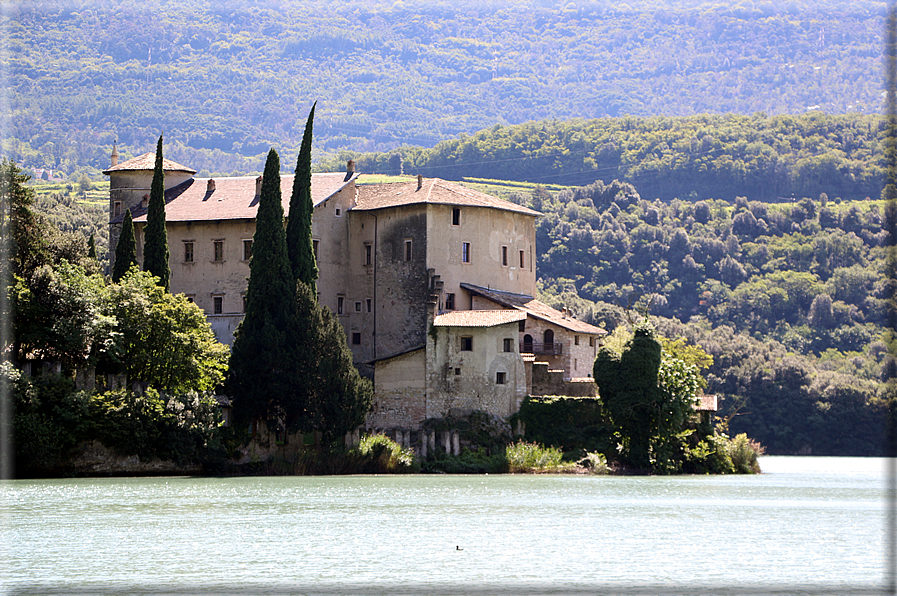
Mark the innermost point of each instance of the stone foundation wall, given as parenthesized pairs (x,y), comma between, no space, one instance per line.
(551,382)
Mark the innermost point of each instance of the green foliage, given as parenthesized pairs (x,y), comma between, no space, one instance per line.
(596,463)
(471,461)
(155,245)
(126,249)
(384,456)
(299,240)
(526,457)
(574,424)
(162,340)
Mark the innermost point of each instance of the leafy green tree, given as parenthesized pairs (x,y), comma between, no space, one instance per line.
(264,366)
(126,249)
(155,246)
(162,340)
(28,232)
(299,241)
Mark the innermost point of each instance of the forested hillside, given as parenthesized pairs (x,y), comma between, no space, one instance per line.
(791,300)
(691,157)
(226,80)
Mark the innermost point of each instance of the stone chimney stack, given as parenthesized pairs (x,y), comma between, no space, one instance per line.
(350,166)
(113,159)
(211,186)
(258,186)
(420,182)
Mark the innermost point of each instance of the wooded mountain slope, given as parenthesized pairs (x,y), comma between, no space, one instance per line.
(226,80)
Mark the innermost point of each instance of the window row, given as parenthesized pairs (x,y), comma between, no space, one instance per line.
(218,253)
(467,344)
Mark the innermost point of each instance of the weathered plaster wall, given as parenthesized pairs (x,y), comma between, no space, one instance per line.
(467,380)
(400,392)
(487,231)
(545,382)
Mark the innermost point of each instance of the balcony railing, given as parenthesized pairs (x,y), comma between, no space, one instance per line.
(546,349)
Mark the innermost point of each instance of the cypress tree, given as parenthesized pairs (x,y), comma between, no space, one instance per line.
(155,250)
(266,360)
(299,241)
(92,247)
(126,249)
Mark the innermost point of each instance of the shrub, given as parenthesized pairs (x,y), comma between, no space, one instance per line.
(744,453)
(532,457)
(382,455)
(596,463)
(471,461)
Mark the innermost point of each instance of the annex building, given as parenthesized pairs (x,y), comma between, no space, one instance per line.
(433,282)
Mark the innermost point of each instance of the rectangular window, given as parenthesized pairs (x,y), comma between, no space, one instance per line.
(217,305)
(314,248)
(591,342)
(368,254)
(500,378)
(521,259)
(467,344)
(450,301)
(457,372)
(521,326)
(508,344)
(188,251)
(408,250)
(358,307)
(244,302)
(504,256)
(247,250)
(575,364)
(218,250)
(191,298)
(356,339)
(368,304)
(116,208)
(456,216)
(576,340)
(465,252)
(339,212)
(340,305)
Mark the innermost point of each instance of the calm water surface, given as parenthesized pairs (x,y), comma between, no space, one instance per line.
(807,525)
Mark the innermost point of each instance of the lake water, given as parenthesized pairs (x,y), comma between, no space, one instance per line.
(807,525)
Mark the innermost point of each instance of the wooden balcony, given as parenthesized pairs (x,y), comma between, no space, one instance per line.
(544,349)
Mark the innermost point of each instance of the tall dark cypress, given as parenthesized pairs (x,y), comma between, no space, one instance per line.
(266,360)
(126,249)
(155,247)
(299,241)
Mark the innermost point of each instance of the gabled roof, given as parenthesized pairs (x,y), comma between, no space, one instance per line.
(432,191)
(534,308)
(478,318)
(234,198)
(147,161)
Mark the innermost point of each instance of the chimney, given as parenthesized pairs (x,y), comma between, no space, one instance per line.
(420,182)
(211,186)
(113,160)
(350,166)
(258,186)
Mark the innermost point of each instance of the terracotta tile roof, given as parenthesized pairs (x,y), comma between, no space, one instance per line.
(435,191)
(147,161)
(234,198)
(534,308)
(478,318)
(706,403)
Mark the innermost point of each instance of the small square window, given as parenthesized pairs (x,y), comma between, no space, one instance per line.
(339,212)
(191,298)
(467,344)
(508,344)
(456,216)
(247,250)
(188,252)
(450,301)
(465,252)
(504,256)
(457,372)
(217,305)
(358,307)
(500,378)
(356,339)
(368,304)
(408,250)
(218,250)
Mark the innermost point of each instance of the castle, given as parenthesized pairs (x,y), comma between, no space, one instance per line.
(433,282)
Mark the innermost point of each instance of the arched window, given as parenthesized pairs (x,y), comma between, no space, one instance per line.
(528,343)
(549,339)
